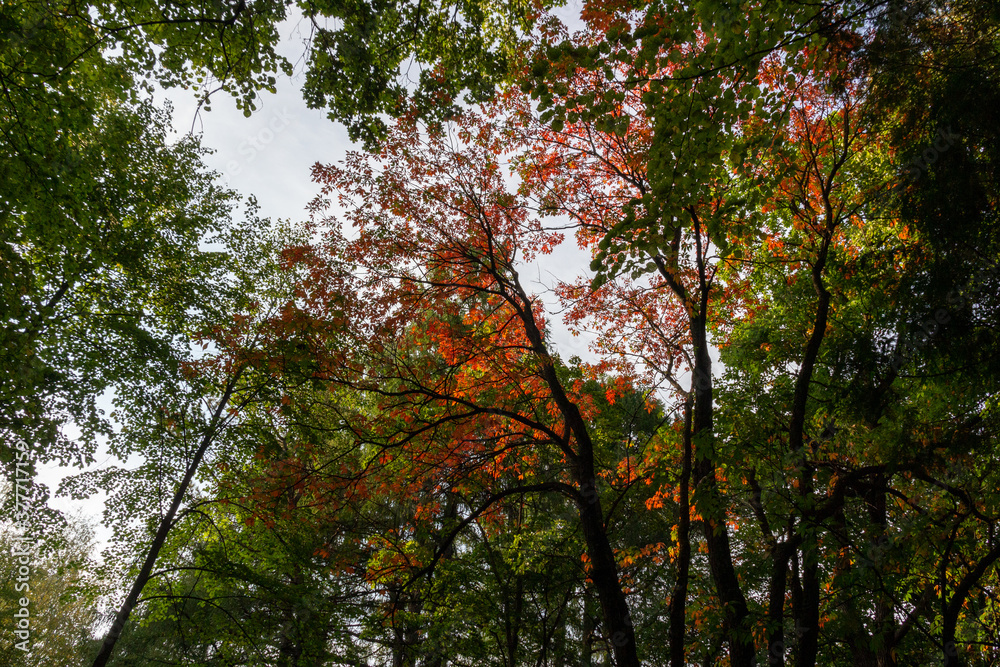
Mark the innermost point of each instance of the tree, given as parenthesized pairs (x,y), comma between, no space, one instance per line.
(173,422)
(101,221)
(740,202)
(823,488)
(62,197)
(359,55)
(436,328)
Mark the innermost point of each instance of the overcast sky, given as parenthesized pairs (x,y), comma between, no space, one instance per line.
(269,154)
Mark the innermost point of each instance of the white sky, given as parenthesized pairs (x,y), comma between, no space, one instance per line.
(270,153)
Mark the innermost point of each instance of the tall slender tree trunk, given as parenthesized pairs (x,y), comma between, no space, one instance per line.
(166,523)
(604,573)
(604,568)
(777,588)
(678,597)
(951,611)
(513,620)
(885,610)
(807,622)
(739,633)
(738,629)
(587,636)
(808,617)
(289,643)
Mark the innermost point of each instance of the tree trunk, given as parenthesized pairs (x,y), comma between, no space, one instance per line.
(678,597)
(949,625)
(807,623)
(166,523)
(604,569)
(513,620)
(885,610)
(739,634)
(587,636)
(776,604)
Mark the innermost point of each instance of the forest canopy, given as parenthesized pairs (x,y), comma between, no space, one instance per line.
(359,441)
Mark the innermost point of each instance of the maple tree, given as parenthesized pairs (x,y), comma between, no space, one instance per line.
(445,338)
(98,212)
(795,223)
(599,160)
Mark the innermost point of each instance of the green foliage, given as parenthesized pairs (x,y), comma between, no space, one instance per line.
(363,52)
(101,220)
(809,191)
